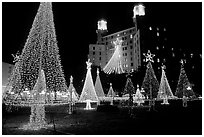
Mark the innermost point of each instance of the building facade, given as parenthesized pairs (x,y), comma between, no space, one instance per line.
(6,72)
(101,52)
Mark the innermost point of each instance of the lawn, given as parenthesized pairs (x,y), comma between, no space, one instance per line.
(172,119)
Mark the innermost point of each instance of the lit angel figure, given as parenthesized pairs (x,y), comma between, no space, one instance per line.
(114,64)
(16,57)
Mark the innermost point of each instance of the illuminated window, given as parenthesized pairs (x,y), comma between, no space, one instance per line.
(131,36)
(164,29)
(158,34)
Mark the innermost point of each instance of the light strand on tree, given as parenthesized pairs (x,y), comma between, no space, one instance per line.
(150,83)
(164,88)
(40,52)
(183,85)
(98,86)
(88,91)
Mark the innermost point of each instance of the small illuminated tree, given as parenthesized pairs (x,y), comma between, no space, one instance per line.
(114,64)
(139,97)
(73,95)
(129,89)
(150,83)
(184,87)
(165,92)
(88,92)
(111,93)
(98,87)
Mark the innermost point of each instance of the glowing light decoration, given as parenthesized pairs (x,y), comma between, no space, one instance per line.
(139,10)
(150,28)
(98,87)
(139,97)
(158,60)
(88,92)
(129,89)
(114,64)
(183,87)
(37,117)
(149,56)
(165,92)
(191,55)
(40,52)
(102,25)
(74,96)
(111,94)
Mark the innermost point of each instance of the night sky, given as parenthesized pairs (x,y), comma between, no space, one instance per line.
(76,25)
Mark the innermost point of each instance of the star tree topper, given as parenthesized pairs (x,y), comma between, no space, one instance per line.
(149,56)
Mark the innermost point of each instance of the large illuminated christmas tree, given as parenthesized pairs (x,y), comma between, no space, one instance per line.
(88,92)
(150,83)
(40,52)
(164,88)
(114,64)
(98,86)
(184,87)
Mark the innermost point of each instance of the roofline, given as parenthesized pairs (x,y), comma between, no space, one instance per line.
(118,32)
